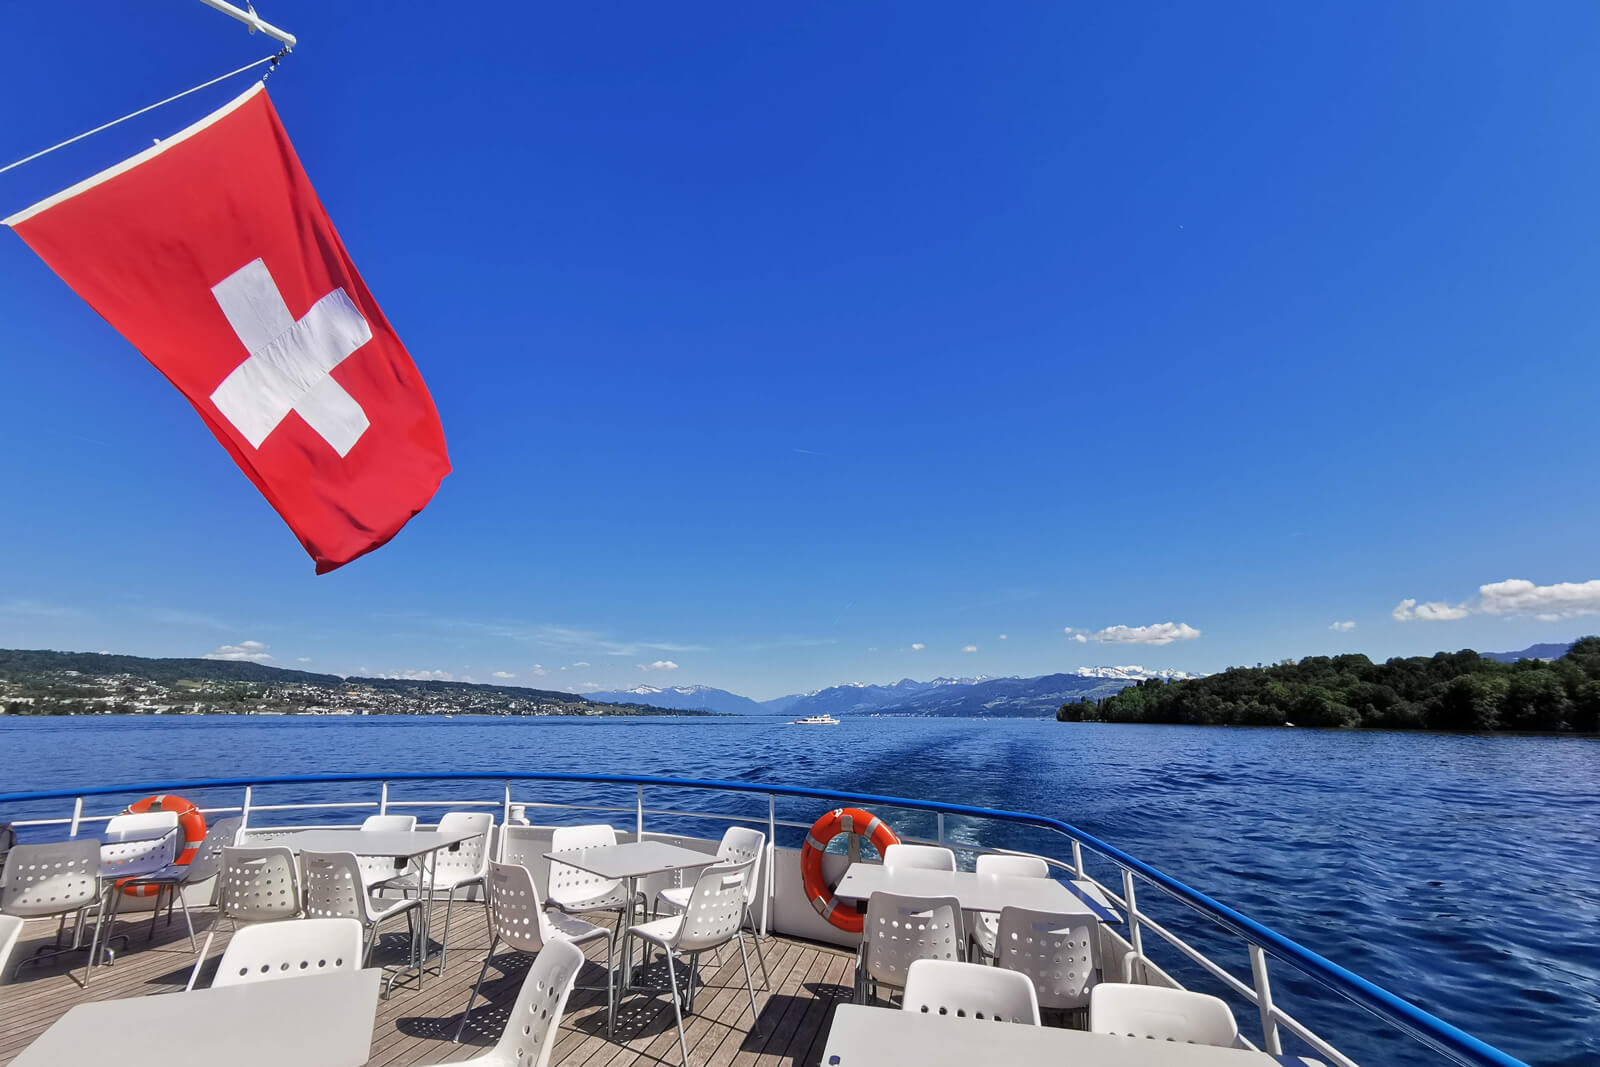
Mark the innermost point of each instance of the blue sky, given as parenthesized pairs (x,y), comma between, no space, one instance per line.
(788,345)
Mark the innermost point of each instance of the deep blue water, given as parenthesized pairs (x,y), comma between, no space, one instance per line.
(1460,872)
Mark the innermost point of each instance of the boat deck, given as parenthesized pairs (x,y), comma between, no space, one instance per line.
(416,1026)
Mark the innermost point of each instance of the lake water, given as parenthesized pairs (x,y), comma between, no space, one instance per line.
(1460,872)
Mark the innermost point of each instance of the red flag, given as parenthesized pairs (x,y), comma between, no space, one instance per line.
(212,254)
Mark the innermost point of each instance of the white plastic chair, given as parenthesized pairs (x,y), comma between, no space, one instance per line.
(526,846)
(334,890)
(971,991)
(712,918)
(575,891)
(254,885)
(10,934)
(519,917)
(984,925)
(170,880)
(277,951)
(920,857)
(135,859)
(529,1036)
(53,881)
(1060,954)
(451,869)
(898,931)
(1161,1014)
(379,869)
(739,844)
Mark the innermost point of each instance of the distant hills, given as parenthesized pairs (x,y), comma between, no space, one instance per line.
(1555,651)
(1011,697)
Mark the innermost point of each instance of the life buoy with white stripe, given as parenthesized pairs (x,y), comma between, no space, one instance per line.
(846,917)
(191,824)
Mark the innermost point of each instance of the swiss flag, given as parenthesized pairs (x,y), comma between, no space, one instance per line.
(212,254)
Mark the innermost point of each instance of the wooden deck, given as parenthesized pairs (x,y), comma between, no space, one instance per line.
(415,1026)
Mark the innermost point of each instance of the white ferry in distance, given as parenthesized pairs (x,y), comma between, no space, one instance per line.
(815,720)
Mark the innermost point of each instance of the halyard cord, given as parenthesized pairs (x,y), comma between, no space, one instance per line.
(272,59)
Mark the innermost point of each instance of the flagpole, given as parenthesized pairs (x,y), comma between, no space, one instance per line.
(254,21)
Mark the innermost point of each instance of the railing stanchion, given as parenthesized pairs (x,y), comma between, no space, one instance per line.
(505,821)
(1134,937)
(244,814)
(638,807)
(1077,859)
(940,816)
(77,816)
(772,858)
(1270,1040)
(383,799)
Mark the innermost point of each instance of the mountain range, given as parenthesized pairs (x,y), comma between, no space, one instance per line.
(941,696)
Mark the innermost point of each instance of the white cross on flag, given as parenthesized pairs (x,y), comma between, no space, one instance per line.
(212,254)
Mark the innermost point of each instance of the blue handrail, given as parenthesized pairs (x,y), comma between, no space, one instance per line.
(1421,1025)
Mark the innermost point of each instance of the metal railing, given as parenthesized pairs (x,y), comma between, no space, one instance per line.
(1261,941)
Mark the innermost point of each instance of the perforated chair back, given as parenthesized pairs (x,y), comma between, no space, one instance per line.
(400,823)
(1013,866)
(382,868)
(275,951)
(334,888)
(516,907)
(1161,1014)
(741,843)
(53,879)
(570,885)
(470,860)
(1059,953)
(530,1033)
(130,859)
(716,906)
(208,858)
(970,991)
(900,930)
(258,884)
(921,857)
(8,841)
(526,847)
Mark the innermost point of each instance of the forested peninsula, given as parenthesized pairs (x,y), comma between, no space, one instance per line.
(1449,691)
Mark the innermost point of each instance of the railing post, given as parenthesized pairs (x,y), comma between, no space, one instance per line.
(1269,1023)
(383,800)
(77,816)
(638,807)
(505,821)
(244,814)
(772,858)
(1134,937)
(940,816)
(1077,859)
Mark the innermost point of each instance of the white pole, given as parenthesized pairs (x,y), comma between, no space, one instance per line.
(254,21)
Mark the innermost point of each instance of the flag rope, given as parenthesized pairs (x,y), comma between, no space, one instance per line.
(273,59)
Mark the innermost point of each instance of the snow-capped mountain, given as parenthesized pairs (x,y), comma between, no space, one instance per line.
(682,697)
(1132,673)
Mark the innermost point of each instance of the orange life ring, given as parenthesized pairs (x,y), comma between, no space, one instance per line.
(190,822)
(846,917)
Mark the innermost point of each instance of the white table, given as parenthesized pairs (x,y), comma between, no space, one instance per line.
(324,1020)
(978,892)
(885,1037)
(632,860)
(401,845)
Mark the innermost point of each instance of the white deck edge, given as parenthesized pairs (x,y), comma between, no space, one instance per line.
(133,161)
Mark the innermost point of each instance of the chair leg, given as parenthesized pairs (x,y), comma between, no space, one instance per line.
(611,984)
(677,1009)
(184,906)
(444,938)
(155,913)
(200,960)
(761,957)
(94,942)
(749,985)
(493,941)
(366,950)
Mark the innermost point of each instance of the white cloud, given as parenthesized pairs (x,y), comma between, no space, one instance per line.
(1408,610)
(502,674)
(1081,639)
(1004,636)
(420,676)
(969,648)
(302,659)
(1159,633)
(538,670)
(580,663)
(917,646)
(243,652)
(1343,627)
(1518,596)
(659,665)
(1080,636)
